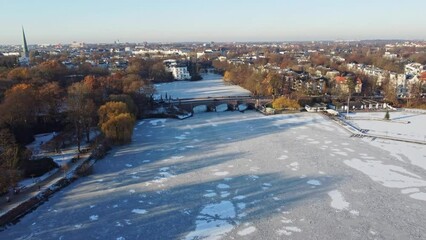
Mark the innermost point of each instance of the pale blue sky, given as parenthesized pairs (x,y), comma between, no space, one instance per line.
(59,21)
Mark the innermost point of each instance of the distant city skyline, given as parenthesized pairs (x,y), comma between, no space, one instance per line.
(53,22)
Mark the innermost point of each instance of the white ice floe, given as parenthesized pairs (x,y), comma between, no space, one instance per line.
(181,137)
(240,197)
(337,200)
(214,221)
(246,231)
(210,195)
(157,121)
(94,217)
(224,194)
(354,212)
(410,190)
(139,211)
(241,205)
(419,196)
(221,173)
(294,166)
(222,186)
(164,169)
(293,229)
(314,182)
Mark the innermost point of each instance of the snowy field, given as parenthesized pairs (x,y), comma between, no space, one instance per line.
(238,175)
(405,125)
(212,85)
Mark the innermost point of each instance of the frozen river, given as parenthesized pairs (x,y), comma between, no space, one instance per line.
(212,85)
(238,175)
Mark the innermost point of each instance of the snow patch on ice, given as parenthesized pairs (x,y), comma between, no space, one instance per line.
(139,211)
(240,197)
(247,231)
(241,206)
(221,173)
(224,194)
(164,169)
(314,182)
(354,212)
(293,229)
(210,195)
(222,186)
(337,200)
(388,175)
(410,190)
(294,166)
(157,121)
(419,196)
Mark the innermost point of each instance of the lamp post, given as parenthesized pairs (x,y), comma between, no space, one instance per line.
(347,111)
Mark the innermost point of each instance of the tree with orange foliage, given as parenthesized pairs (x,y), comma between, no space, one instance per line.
(116,122)
(19,74)
(19,105)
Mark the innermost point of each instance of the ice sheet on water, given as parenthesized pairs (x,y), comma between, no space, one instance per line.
(214,221)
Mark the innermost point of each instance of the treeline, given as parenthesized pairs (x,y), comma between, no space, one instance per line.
(38,99)
(258,82)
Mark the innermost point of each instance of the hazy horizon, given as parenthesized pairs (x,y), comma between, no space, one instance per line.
(162,21)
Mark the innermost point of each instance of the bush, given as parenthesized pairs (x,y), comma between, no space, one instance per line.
(101,150)
(84,170)
(285,103)
(38,167)
(387,117)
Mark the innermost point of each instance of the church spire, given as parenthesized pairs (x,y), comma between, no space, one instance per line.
(25,51)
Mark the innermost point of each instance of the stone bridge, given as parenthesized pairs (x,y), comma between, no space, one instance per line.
(189,104)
